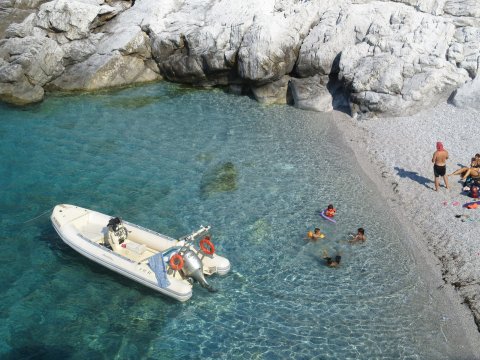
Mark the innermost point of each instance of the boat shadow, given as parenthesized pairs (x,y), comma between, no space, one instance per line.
(67,256)
(39,351)
(413,175)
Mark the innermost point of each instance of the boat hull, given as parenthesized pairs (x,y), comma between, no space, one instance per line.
(85,231)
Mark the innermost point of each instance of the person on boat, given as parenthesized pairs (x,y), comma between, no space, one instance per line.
(331,262)
(359,237)
(439,160)
(315,235)
(330,211)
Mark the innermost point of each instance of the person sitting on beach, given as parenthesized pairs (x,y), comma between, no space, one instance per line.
(359,237)
(473,170)
(332,262)
(439,160)
(330,211)
(315,235)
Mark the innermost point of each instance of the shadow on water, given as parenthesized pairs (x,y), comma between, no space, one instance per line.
(141,99)
(62,251)
(34,107)
(66,256)
(413,175)
(38,352)
(116,97)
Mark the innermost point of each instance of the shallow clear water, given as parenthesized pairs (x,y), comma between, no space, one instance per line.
(151,155)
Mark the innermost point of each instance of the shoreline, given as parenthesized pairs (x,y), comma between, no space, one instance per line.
(441,250)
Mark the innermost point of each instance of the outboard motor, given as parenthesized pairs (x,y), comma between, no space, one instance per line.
(193,268)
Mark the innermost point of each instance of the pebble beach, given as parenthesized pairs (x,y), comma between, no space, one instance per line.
(396,153)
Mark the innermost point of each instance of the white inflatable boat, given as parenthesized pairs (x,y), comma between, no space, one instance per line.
(167,265)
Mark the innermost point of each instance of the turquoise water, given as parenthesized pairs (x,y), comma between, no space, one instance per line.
(154,156)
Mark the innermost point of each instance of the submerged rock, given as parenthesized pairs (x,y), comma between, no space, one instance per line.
(221,178)
(259,231)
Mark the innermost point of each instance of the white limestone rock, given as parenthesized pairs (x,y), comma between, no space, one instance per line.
(69,17)
(79,50)
(20,93)
(272,93)
(40,59)
(394,57)
(434,7)
(106,71)
(120,59)
(15,87)
(311,94)
(465,50)
(195,46)
(401,65)
(338,28)
(28,4)
(119,55)
(60,34)
(270,46)
(22,29)
(254,41)
(462,8)
(9,74)
(468,96)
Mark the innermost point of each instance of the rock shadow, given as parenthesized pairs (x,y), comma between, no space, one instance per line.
(336,87)
(413,175)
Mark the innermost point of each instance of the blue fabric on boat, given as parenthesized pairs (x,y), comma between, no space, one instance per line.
(157,264)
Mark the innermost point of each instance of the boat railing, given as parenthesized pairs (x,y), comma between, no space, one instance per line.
(191,237)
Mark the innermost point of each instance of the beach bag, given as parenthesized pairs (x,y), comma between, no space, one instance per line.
(474,192)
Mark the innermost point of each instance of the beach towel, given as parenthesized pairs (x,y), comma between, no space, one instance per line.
(157,264)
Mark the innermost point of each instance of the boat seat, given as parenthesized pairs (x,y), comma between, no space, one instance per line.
(134,256)
(94,233)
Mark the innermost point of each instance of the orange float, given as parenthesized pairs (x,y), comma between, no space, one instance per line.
(176,262)
(207,246)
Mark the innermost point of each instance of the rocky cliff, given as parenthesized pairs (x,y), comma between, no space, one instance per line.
(383,57)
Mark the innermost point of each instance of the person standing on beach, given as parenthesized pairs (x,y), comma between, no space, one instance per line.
(439,160)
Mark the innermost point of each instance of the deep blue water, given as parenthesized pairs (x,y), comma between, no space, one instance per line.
(150,155)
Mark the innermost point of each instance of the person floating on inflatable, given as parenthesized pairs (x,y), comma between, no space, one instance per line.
(315,235)
(330,211)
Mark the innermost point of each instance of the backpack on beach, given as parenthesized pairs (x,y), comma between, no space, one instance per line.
(474,191)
